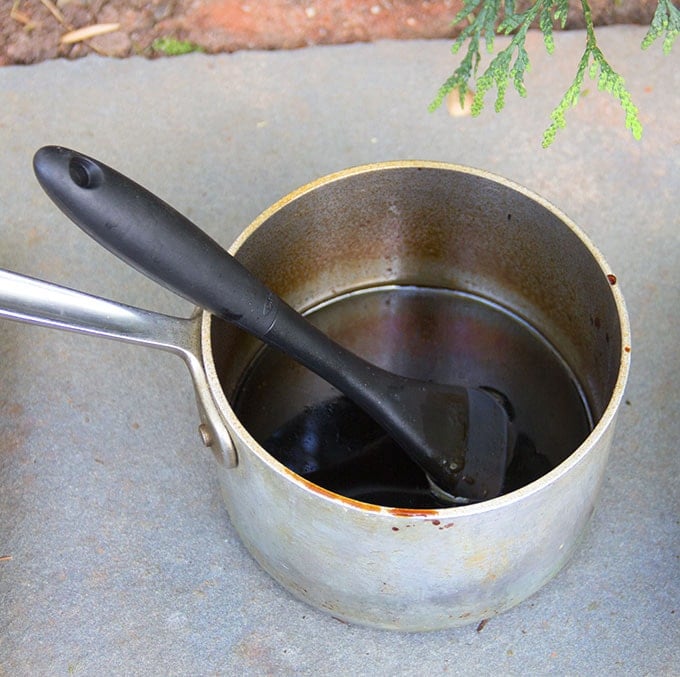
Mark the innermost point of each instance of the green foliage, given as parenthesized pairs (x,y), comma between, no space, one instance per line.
(487,18)
(174,47)
(608,80)
(666,20)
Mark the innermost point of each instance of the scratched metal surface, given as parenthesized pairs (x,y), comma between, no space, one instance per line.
(116,555)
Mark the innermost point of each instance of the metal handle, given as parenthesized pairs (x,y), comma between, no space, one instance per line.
(34,301)
(27,299)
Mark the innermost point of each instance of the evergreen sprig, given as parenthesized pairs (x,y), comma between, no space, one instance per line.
(608,80)
(666,20)
(482,25)
(488,18)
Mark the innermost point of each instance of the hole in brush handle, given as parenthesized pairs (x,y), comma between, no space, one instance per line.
(85,173)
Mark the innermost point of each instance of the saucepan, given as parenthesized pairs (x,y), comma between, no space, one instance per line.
(435,271)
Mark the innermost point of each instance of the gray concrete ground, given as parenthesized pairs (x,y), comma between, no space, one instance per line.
(117,556)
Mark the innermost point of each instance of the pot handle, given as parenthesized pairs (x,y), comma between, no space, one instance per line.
(27,299)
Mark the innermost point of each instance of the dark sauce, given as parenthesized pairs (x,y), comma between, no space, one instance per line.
(422,333)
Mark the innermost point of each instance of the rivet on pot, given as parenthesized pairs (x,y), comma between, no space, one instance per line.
(206,435)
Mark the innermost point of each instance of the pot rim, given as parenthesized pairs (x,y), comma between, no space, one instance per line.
(235,427)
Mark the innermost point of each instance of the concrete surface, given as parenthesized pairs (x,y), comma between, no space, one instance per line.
(116,555)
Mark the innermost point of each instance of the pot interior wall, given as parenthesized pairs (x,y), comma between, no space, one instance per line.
(433,226)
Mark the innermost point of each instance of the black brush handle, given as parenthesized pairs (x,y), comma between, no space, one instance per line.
(154,238)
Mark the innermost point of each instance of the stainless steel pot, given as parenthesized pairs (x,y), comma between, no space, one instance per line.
(401,223)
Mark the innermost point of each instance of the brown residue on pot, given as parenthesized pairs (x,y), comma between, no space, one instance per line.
(331,494)
(612,279)
(626,349)
(409,512)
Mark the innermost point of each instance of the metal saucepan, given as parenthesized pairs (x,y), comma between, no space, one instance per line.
(401,225)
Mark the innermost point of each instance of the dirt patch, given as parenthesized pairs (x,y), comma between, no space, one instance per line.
(35,30)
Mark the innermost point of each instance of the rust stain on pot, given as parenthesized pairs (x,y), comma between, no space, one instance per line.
(626,349)
(331,494)
(395,512)
(612,279)
(408,512)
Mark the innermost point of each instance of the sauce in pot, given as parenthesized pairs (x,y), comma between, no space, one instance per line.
(426,333)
